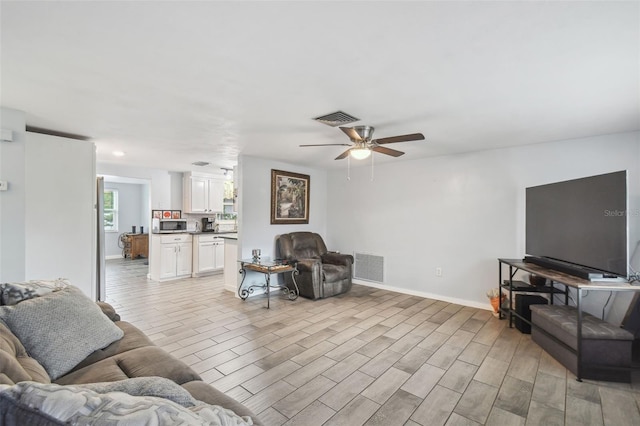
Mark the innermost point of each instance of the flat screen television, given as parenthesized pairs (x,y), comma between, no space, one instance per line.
(580,226)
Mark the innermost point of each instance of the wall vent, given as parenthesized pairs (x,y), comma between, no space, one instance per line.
(369,267)
(337,118)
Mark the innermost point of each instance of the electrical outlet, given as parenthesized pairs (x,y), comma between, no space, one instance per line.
(4,185)
(438,271)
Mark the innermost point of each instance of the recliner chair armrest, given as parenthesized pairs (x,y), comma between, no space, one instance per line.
(334,258)
(308,265)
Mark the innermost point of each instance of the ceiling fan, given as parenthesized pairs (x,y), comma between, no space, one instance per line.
(363,142)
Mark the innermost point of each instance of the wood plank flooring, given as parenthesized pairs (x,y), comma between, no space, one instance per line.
(369,357)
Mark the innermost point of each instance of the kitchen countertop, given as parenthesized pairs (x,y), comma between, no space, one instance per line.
(228,235)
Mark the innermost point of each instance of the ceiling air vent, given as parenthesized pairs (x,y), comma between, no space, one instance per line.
(337,118)
(200,163)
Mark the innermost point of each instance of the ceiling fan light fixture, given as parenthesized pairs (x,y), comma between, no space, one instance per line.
(360,153)
(228,173)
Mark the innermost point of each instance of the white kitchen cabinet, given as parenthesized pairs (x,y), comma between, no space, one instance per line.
(208,254)
(168,261)
(206,257)
(171,256)
(220,255)
(199,194)
(202,193)
(183,259)
(231,274)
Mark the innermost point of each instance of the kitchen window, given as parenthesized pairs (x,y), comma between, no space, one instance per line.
(110,210)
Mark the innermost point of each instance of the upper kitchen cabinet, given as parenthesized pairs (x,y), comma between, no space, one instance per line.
(202,193)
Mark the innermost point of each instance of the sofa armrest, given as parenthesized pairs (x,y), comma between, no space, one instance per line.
(308,265)
(109,311)
(334,258)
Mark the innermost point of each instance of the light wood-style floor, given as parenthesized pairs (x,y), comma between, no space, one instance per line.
(370,357)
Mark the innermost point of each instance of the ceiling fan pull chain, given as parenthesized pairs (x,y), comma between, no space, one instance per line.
(372,167)
(349,168)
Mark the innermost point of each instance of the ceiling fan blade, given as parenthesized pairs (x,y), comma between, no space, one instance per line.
(388,151)
(329,144)
(403,138)
(353,135)
(343,155)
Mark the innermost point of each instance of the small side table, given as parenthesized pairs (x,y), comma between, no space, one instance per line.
(136,245)
(268,268)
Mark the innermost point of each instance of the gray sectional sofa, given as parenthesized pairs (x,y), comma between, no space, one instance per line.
(42,337)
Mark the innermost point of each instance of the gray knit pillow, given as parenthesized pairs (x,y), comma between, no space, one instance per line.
(60,329)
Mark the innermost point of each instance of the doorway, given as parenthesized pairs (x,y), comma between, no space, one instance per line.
(126,216)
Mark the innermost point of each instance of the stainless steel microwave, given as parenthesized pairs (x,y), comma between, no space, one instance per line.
(168,226)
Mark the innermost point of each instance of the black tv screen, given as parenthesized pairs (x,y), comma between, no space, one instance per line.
(581,221)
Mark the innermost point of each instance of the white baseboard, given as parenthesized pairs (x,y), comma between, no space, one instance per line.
(231,289)
(463,302)
(206,274)
(114,256)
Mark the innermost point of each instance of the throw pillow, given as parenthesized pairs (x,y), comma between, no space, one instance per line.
(74,404)
(12,293)
(60,329)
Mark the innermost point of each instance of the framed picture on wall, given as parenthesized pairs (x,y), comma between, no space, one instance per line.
(176,214)
(289,198)
(156,214)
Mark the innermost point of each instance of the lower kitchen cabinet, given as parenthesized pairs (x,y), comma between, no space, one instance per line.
(171,256)
(208,254)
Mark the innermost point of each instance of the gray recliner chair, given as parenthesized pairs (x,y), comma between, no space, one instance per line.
(321,273)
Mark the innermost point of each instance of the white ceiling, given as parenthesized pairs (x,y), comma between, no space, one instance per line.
(171,83)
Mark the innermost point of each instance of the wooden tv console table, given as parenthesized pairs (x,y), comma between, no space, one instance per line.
(568,281)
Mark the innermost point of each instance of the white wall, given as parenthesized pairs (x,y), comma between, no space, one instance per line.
(253,177)
(60,196)
(47,217)
(159,180)
(131,212)
(176,191)
(462,212)
(254,204)
(12,202)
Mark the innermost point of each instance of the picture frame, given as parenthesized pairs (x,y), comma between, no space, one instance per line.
(166,214)
(289,198)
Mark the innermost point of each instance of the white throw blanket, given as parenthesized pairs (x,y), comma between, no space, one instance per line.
(80,405)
